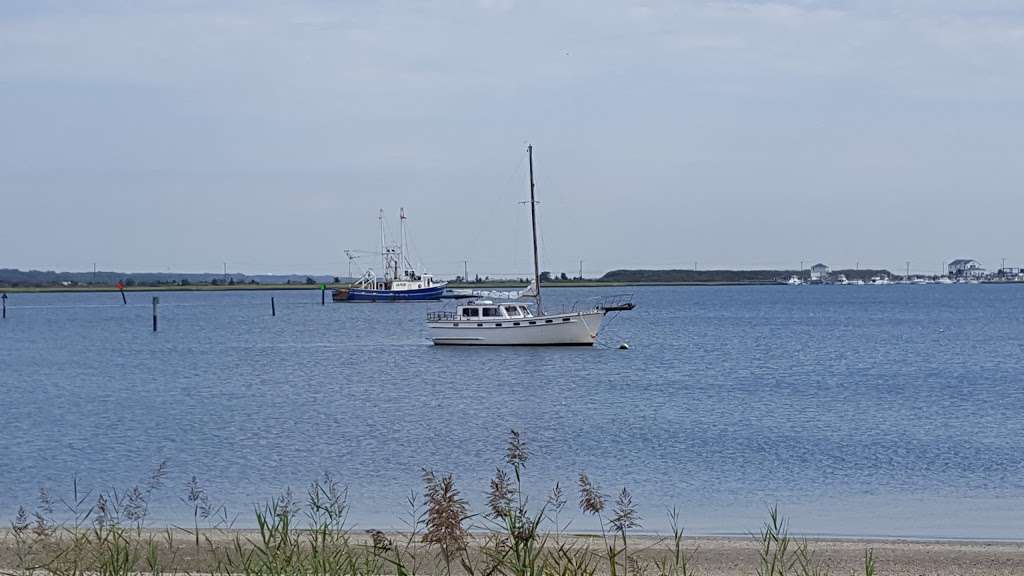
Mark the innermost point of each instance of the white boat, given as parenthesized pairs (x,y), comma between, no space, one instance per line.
(794,281)
(484,322)
(944,280)
(856,282)
(489,323)
(842,280)
(880,280)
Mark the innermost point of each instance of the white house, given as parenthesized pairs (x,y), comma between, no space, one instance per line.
(965,268)
(819,272)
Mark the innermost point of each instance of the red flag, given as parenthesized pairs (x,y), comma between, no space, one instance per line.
(120,285)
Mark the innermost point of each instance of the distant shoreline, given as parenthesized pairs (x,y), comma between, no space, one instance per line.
(264,287)
(331,286)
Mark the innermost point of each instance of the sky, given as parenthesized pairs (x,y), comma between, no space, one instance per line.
(183,135)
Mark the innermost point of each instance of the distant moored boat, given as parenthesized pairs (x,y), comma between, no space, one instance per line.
(400,283)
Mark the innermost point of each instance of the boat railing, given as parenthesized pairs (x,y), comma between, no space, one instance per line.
(612,303)
(442,316)
(368,281)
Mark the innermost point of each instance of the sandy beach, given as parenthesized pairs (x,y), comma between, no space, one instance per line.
(709,555)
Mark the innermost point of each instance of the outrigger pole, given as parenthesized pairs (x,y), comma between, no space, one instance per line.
(533,219)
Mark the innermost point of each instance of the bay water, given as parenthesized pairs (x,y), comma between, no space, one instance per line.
(858,410)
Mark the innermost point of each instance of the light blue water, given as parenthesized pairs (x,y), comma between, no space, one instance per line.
(860,410)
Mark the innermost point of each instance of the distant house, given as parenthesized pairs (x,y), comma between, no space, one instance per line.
(819,272)
(965,268)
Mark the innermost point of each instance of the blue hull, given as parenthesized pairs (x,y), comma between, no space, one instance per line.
(361,295)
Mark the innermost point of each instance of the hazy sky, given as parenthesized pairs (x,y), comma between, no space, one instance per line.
(148,136)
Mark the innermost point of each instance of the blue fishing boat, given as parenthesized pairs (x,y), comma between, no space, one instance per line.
(399,283)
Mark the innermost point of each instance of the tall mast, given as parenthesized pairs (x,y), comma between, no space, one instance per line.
(401,255)
(533,220)
(383,250)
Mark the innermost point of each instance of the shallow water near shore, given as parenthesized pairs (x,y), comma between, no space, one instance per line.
(860,410)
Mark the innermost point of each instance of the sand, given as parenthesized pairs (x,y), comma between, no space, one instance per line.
(715,556)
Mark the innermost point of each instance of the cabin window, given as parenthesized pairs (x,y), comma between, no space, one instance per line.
(474,312)
(513,312)
(491,313)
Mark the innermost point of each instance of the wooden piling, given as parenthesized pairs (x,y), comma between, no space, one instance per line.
(156,300)
(323,292)
(273,310)
(3,298)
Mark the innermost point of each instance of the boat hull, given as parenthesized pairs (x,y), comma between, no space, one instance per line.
(574,329)
(363,295)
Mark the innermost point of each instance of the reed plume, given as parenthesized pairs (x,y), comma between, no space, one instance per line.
(516,454)
(591,498)
(625,516)
(446,511)
(501,496)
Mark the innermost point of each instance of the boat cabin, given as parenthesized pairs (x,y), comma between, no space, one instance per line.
(413,282)
(490,310)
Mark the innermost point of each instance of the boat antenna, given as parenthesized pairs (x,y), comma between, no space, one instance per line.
(533,220)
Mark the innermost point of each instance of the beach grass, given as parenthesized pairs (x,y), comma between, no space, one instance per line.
(108,534)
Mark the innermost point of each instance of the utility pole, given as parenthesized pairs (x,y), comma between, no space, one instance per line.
(225,272)
(465,271)
(907,277)
(351,256)
(93,272)
(581,269)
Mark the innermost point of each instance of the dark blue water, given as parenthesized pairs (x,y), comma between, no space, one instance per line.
(860,410)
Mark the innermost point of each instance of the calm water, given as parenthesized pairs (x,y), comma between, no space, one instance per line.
(867,410)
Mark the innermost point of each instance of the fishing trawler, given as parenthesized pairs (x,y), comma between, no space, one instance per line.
(399,283)
(512,323)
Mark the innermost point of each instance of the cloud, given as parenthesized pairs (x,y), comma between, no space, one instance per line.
(692,107)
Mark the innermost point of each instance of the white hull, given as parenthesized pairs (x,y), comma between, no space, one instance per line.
(572,329)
